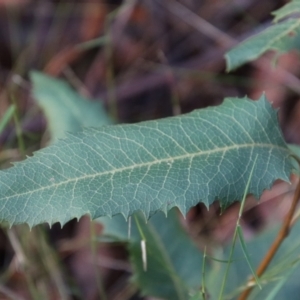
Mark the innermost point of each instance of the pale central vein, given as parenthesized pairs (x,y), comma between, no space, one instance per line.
(148,164)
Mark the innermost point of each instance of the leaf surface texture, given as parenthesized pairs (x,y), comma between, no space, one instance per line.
(156,165)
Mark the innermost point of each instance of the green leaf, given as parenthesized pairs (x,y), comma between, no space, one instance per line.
(150,166)
(295,150)
(281,37)
(281,277)
(65,110)
(117,228)
(290,8)
(173,262)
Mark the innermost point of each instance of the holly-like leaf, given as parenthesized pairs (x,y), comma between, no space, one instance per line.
(65,110)
(156,165)
(281,37)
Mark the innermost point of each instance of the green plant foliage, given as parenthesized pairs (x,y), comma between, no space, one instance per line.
(150,166)
(173,261)
(281,37)
(116,228)
(6,117)
(295,150)
(280,281)
(290,8)
(66,110)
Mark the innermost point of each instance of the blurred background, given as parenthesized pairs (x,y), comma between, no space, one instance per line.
(143,60)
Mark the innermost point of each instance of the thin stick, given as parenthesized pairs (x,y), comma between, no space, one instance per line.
(282,234)
(235,235)
(94,249)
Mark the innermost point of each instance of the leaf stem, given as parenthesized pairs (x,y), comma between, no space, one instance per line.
(282,234)
(203,288)
(7,116)
(138,225)
(17,244)
(18,126)
(236,231)
(228,265)
(143,243)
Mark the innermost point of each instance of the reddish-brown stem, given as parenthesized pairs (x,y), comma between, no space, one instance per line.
(282,234)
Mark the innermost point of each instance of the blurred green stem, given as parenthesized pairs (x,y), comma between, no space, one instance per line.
(94,249)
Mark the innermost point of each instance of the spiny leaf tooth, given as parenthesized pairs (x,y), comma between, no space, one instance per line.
(78,217)
(56,221)
(129,219)
(180,212)
(90,215)
(50,224)
(146,213)
(182,209)
(208,201)
(165,208)
(256,194)
(30,224)
(126,216)
(126,213)
(108,215)
(285,178)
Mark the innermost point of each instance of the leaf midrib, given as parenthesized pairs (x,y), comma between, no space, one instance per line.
(151,163)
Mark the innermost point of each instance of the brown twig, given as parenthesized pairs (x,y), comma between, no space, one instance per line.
(282,234)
